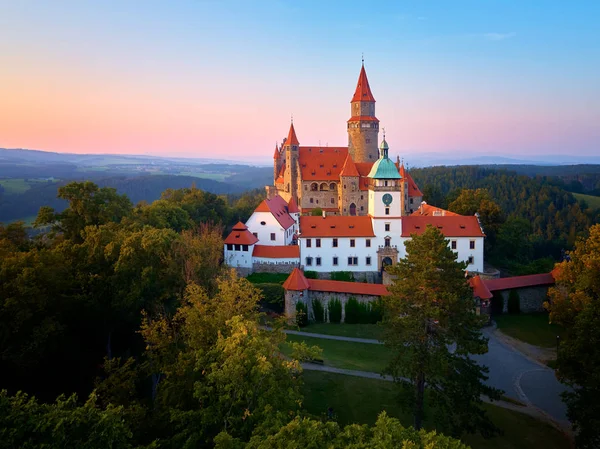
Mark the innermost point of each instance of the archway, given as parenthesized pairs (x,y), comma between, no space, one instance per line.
(385,262)
(352,209)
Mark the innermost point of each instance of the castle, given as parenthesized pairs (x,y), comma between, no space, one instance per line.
(336,179)
(370,206)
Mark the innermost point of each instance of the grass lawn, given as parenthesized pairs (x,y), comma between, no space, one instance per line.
(532,328)
(347,355)
(359,400)
(592,201)
(372,331)
(14,186)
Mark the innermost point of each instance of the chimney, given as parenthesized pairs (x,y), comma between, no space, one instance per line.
(324,214)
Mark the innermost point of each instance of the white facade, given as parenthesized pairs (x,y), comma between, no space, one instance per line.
(239,256)
(322,255)
(268,230)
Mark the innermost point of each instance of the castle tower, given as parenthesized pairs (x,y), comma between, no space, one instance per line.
(363,126)
(276,163)
(290,178)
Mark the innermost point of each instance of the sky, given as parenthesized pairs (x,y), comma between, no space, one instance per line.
(223,78)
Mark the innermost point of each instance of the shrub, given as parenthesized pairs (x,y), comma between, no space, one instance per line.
(342,276)
(335,310)
(318,311)
(317,212)
(273,296)
(301,314)
(363,312)
(514,302)
(353,311)
(311,275)
(267,278)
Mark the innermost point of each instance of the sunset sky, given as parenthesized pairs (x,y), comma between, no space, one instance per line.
(221,79)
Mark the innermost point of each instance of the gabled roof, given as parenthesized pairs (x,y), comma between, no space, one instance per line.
(349,169)
(278,207)
(428,209)
(293,206)
(336,226)
(450,226)
(276,251)
(291,138)
(321,163)
(531,280)
(363,90)
(296,281)
(363,169)
(240,235)
(413,190)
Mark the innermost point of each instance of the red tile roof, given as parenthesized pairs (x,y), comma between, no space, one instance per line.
(278,207)
(291,138)
(479,288)
(336,226)
(240,235)
(413,190)
(296,281)
(276,251)
(349,168)
(276,155)
(532,280)
(293,206)
(450,226)
(356,288)
(363,91)
(360,118)
(321,163)
(428,209)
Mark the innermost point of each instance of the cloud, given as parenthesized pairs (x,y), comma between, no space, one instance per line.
(498,36)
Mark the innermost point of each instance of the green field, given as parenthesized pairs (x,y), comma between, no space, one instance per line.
(347,355)
(592,201)
(372,331)
(360,400)
(532,328)
(14,186)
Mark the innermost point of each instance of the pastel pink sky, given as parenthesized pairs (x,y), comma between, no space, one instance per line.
(206,83)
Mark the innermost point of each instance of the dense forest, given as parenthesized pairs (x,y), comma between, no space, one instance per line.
(120,328)
(537,218)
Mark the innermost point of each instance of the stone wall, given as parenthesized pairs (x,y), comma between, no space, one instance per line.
(260,267)
(531,299)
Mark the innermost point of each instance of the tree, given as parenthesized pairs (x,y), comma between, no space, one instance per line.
(574,302)
(470,202)
(317,212)
(431,327)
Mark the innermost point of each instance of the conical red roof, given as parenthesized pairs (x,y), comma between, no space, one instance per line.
(240,226)
(349,168)
(291,138)
(276,155)
(363,91)
(296,281)
(293,206)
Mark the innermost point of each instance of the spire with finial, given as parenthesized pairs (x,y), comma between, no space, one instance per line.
(292,140)
(363,90)
(384,147)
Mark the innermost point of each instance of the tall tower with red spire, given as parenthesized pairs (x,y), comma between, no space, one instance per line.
(363,126)
(290,178)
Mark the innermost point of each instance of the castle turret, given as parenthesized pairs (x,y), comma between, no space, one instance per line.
(276,163)
(363,126)
(290,179)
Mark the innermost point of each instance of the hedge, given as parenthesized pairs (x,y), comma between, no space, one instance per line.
(362,312)
(318,311)
(335,310)
(346,276)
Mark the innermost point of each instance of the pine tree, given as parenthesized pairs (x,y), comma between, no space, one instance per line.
(431,326)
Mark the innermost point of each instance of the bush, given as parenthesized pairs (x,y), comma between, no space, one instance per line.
(363,312)
(311,275)
(318,311)
(335,310)
(342,276)
(514,302)
(273,296)
(301,314)
(267,278)
(317,212)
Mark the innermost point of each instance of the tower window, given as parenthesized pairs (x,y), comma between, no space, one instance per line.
(387,226)
(472,244)
(387,210)
(387,242)
(272,236)
(332,200)
(312,200)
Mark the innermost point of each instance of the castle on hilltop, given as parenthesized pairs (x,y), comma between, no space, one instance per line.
(370,207)
(336,179)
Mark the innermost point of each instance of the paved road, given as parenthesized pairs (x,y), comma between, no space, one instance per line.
(520,377)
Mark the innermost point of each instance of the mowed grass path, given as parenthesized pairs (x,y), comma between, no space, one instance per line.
(531,328)
(345,354)
(360,400)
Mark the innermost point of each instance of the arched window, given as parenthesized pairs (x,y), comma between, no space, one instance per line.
(352,209)
(387,242)
(332,186)
(323,186)
(314,187)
